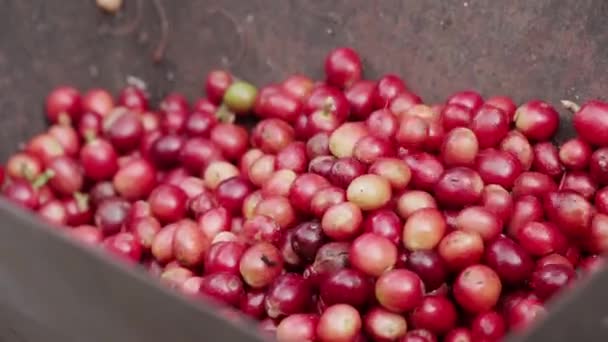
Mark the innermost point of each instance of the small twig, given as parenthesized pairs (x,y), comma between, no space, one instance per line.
(562,182)
(26,173)
(82,201)
(224,114)
(159,52)
(239,30)
(90,135)
(42,179)
(570,105)
(129,27)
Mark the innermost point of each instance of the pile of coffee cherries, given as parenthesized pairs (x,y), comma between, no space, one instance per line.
(348,211)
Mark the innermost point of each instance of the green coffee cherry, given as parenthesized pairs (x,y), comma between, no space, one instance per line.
(240,97)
